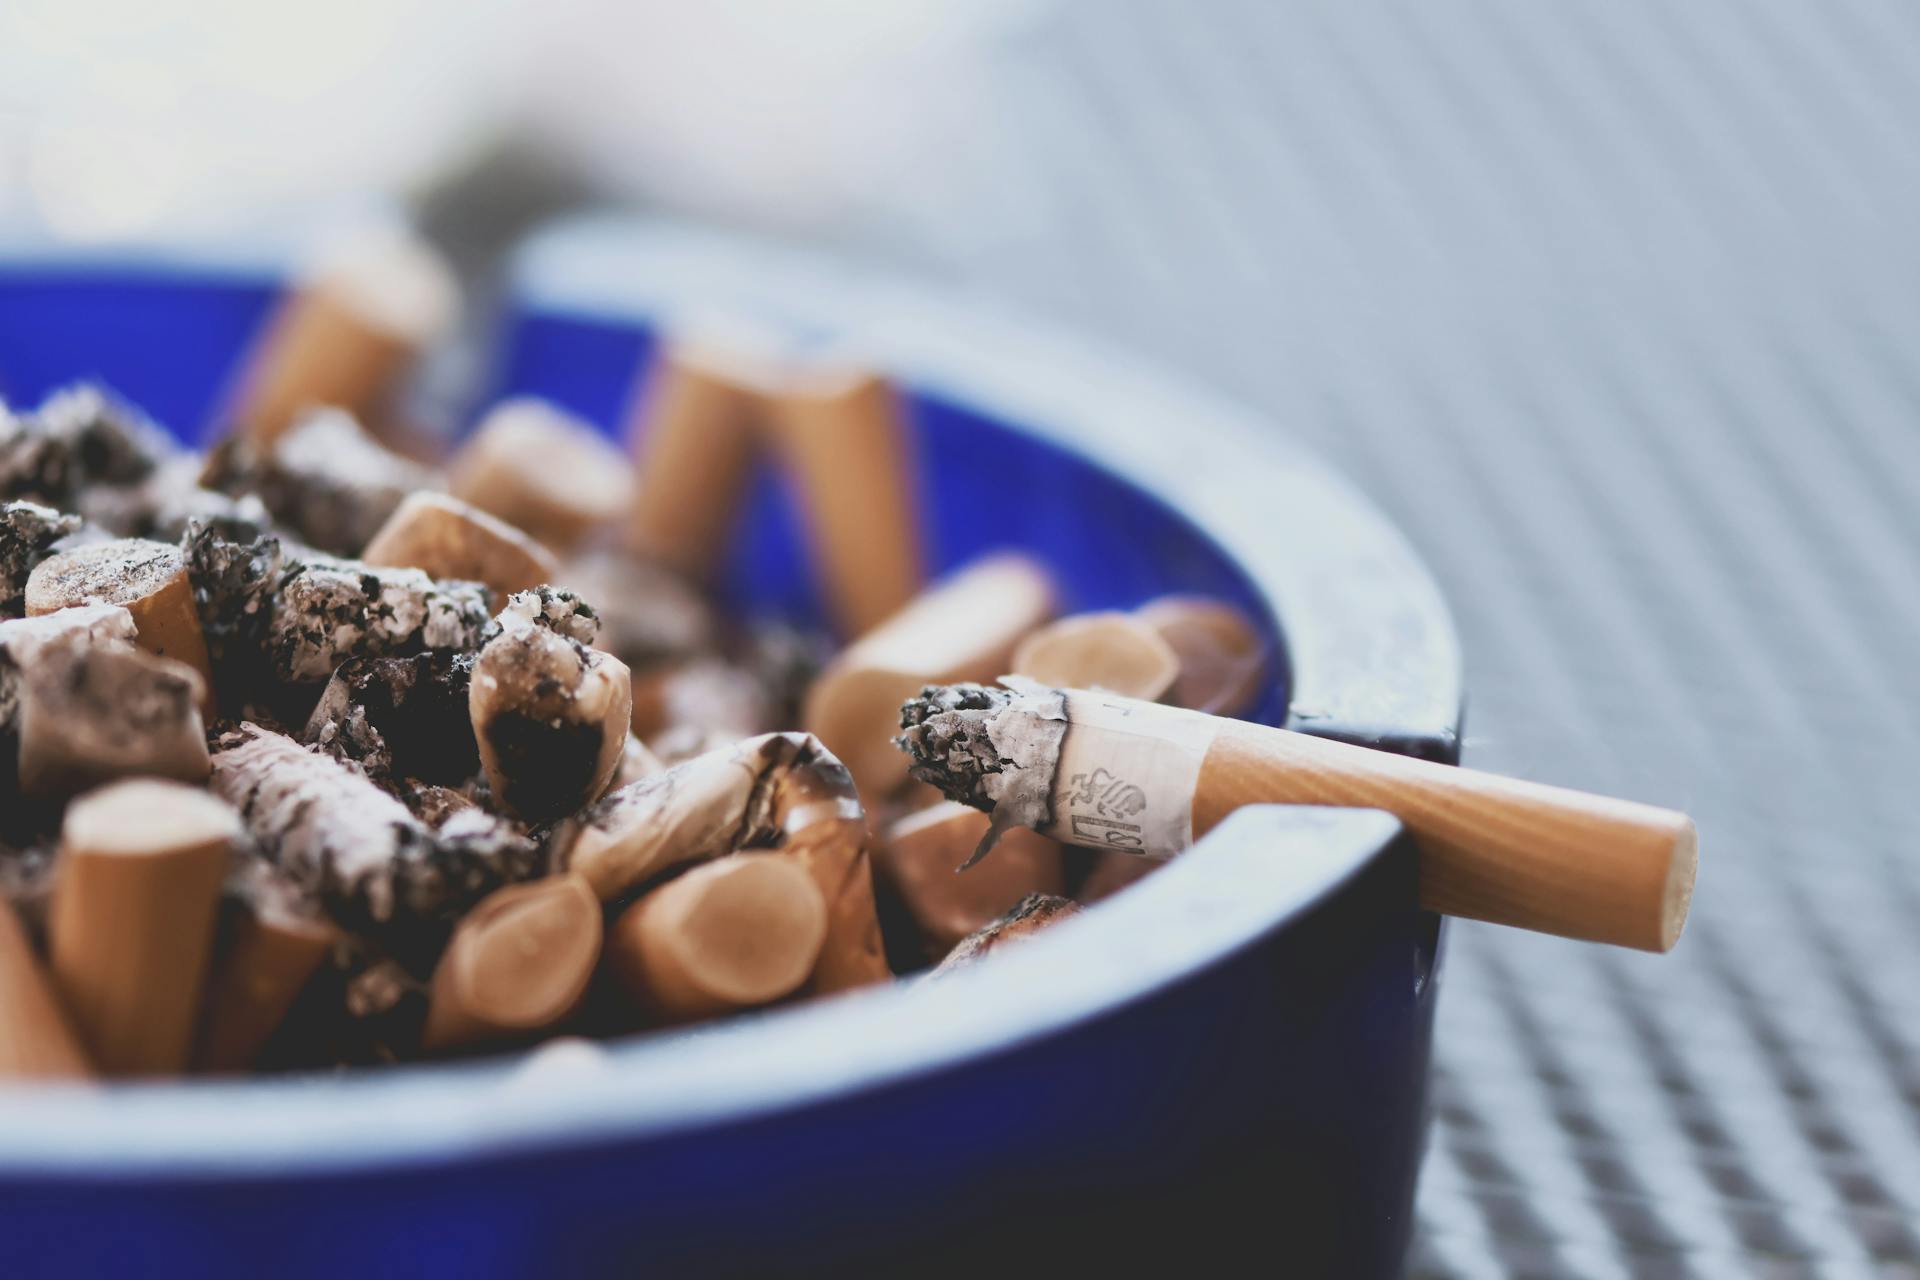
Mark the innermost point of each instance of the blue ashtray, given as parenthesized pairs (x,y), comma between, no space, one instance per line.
(1226,1065)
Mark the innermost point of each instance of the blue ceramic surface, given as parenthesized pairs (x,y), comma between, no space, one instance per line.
(1226,1063)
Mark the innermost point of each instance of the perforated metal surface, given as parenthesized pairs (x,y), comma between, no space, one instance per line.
(1616,307)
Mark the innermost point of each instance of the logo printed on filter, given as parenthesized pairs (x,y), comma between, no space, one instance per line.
(1112,800)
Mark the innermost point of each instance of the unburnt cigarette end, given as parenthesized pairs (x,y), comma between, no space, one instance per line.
(518,964)
(141,866)
(448,538)
(742,931)
(922,851)
(1223,660)
(844,437)
(1112,651)
(1033,913)
(696,450)
(964,627)
(347,334)
(148,579)
(275,941)
(39,1041)
(544,471)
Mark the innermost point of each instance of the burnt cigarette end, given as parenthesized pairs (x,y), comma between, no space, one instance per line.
(379,870)
(27,531)
(327,479)
(325,611)
(89,714)
(399,717)
(550,715)
(1034,912)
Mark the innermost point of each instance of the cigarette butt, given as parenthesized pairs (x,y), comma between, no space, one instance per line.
(551,716)
(518,964)
(275,943)
(964,627)
(37,1039)
(92,713)
(141,863)
(147,579)
(1113,651)
(730,934)
(822,827)
(543,470)
(843,437)
(920,855)
(347,333)
(696,446)
(449,538)
(1223,660)
(1114,773)
(1029,916)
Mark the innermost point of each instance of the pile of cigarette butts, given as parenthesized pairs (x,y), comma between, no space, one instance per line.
(322,750)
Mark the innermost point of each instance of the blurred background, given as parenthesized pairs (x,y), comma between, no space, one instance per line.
(1614,305)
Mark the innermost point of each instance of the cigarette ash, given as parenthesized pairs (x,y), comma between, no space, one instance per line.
(379,871)
(80,437)
(399,718)
(27,532)
(326,479)
(551,713)
(24,640)
(1031,914)
(996,749)
(326,611)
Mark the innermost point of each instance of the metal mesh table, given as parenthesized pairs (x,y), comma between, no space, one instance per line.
(1616,307)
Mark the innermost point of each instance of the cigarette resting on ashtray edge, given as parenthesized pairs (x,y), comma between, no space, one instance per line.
(1106,772)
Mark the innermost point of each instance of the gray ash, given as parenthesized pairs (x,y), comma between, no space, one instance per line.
(326,479)
(944,730)
(235,567)
(546,762)
(326,611)
(81,437)
(380,872)
(27,532)
(400,718)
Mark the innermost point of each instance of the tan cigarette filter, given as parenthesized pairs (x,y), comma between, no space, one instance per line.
(141,864)
(545,471)
(696,444)
(519,963)
(1114,773)
(964,627)
(348,333)
(147,579)
(1492,848)
(844,439)
(741,931)
(1113,651)
(37,1039)
(449,538)
(822,826)
(1223,661)
(268,960)
(920,860)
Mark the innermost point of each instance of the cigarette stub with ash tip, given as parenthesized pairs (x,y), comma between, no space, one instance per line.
(1107,772)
